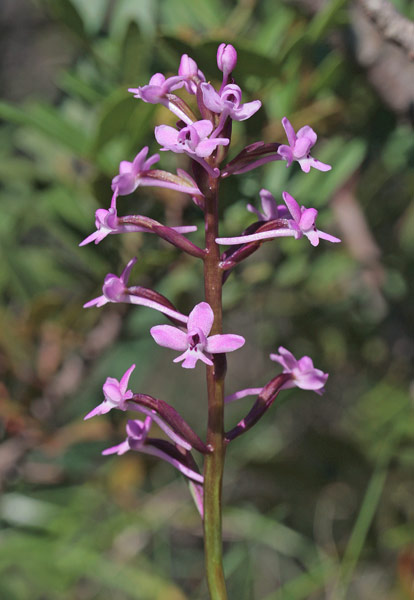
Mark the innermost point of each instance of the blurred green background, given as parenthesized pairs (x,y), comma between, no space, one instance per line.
(319,496)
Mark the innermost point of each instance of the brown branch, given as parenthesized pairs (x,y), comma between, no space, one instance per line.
(392,25)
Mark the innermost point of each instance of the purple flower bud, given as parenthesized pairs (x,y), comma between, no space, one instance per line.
(191,74)
(226,58)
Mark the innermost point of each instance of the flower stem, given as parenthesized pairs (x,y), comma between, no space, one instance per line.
(214,462)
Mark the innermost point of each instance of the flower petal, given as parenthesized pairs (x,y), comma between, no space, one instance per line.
(259,215)
(189,359)
(313,380)
(139,160)
(313,237)
(123,384)
(99,301)
(307,219)
(286,153)
(118,449)
(201,317)
(302,147)
(290,132)
(305,363)
(269,205)
(101,409)
(203,127)
(127,271)
(293,206)
(320,166)
(166,135)
(246,110)
(285,358)
(307,132)
(206,147)
(169,337)
(227,342)
(211,98)
(326,236)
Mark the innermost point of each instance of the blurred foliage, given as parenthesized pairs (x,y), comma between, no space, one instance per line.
(319,496)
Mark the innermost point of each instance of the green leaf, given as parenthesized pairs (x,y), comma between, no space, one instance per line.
(135,53)
(48,120)
(201,15)
(324,18)
(68,15)
(123,115)
(316,187)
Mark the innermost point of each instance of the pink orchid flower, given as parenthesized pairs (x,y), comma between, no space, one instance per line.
(137,434)
(116,394)
(107,223)
(301,224)
(131,174)
(271,210)
(228,102)
(192,139)
(304,374)
(196,344)
(190,73)
(299,147)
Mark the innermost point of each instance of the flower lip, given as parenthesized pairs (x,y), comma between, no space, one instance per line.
(137,432)
(113,288)
(196,339)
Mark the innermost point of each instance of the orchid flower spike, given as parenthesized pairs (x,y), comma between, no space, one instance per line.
(303,222)
(195,343)
(137,439)
(299,147)
(190,73)
(115,393)
(304,374)
(271,210)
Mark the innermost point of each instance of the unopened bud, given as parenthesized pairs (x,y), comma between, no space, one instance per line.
(188,67)
(226,58)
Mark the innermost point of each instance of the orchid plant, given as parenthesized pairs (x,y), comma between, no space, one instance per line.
(205,140)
